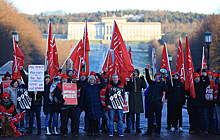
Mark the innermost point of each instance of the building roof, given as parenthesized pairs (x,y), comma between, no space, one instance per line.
(8,67)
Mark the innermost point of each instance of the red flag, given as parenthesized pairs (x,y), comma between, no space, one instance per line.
(53,60)
(108,64)
(189,83)
(124,65)
(49,42)
(18,60)
(180,62)
(203,60)
(164,61)
(16,119)
(77,57)
(86,48)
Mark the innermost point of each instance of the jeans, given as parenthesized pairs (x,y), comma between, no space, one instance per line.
(47,119)
(210,117)
(130,120)
(78,113)
(35,109)
(111,120)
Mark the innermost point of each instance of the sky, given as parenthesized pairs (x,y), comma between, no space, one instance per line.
(77,6)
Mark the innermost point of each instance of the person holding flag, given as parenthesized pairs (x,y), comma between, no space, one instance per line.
(154,99)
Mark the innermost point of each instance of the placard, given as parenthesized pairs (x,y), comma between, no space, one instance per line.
(209,91)
(6,84)
(36,78)
(70,93)
(126,104)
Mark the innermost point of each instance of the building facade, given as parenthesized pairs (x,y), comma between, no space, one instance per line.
(132,31)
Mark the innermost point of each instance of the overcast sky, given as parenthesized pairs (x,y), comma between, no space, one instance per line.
(77,6)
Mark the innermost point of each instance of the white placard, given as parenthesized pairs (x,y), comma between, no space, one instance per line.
(36,78)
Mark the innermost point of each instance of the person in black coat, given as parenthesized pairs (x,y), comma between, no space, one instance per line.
(177,100)
(154,99)
(90,101)
(136,100)
(196,105)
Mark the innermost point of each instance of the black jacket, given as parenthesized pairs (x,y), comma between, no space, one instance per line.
(177,91)
(200,89)
(38,100)
(155,92)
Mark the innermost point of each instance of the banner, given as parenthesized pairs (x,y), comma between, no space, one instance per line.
(70,93)
(24,101)
(5,84)
(126,103)
(209,91)
(36,78)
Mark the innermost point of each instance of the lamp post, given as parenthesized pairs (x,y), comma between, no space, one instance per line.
(208,41)
(15,34)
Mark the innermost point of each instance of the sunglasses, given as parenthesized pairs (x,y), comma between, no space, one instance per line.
(6,98)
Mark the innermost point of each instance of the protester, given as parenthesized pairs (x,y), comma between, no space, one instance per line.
(49,107)
(116,89)
(36,104)
(177,100)
(136,100)
(6,77)
(91,102)
(154,99)
(217,103)
(69,75)
(67,111)
(196,105)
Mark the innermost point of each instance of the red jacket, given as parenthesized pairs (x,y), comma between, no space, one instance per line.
(10,110)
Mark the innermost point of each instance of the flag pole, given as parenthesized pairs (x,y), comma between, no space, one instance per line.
(47,46)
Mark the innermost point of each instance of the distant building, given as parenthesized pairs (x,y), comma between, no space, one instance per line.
(136,31)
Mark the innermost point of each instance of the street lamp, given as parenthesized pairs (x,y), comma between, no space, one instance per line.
(208,41)
(15,34)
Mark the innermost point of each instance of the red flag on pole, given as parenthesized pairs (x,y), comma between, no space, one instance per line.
(108,64)
(180,62)
(121,55)
(86,48)
(18,60)
(189,83)
(164,61)
(53,60)
(203,60)
(49,44)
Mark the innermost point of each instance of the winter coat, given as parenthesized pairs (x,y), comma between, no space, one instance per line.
(38,100)
(177,91)
(155,93)
(135,98)
(200,89)
(48,106)
(9,110)
(90,99)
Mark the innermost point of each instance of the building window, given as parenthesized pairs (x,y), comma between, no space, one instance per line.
(107,30)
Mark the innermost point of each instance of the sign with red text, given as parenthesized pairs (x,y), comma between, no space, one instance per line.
(209,91)
(70,93)
(6,84)
(126,105)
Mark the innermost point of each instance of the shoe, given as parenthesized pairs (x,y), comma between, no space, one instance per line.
(127,130)
(39,131)
(48,132)
(168,127)
(29,131)
(89,134)
(110,134)
(205,132)
(147,134)
(65,134)
(180,129)
(157,135)
(121,134)
(138,131)
(172,129)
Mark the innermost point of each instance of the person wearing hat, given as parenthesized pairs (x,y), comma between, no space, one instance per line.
(196,105)
(7,106)
(66,111)
(177,100)
(36,104)
(136,100)
(154,99)
(69,75)
(49,107)
(217,103)
(6,77)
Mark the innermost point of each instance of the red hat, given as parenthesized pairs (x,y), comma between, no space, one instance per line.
(156,74)
(58,74)
(73,76)
(215,75)
(196,75)
(209,72)
(64,76)
(172,72)
(8,74)
(5,94)
(82,73)
(3,78)
(92,73)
